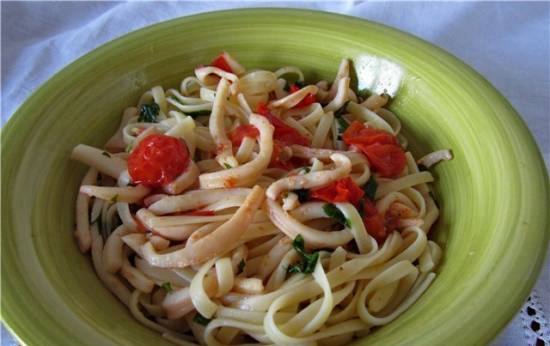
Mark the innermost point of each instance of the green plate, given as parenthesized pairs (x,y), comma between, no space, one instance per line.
(494,194)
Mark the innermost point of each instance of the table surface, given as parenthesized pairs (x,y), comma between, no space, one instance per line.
(506,42)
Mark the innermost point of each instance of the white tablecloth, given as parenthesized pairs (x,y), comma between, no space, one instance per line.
(506,42)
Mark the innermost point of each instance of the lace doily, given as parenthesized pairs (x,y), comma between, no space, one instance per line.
(535,325)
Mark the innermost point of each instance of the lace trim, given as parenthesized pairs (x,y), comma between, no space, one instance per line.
(535,325)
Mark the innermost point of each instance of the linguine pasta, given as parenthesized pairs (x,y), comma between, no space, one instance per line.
(247,207)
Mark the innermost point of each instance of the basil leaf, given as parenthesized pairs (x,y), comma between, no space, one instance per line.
(334,213)
(200,319)
(370,188)
(148,113)
(309,260)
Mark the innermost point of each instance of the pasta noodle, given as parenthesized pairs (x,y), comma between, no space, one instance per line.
(247,209)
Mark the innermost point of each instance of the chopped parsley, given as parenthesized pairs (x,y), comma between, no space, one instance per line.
(306,169)
(106,154)
(334,213)
(114,199)
(363,93)
(370,188)
(303,195)
(241,266)
(227,165)
(308,260)
(148,113)
(200,319)
(167,286)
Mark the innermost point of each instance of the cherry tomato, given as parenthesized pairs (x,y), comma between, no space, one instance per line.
(158,160)
(284,133)
(221,63)
(246,130)
(357,133)
(374,221)
(343,190)
(381,148)
(386,159)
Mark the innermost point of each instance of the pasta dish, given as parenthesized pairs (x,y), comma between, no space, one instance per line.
(249,207)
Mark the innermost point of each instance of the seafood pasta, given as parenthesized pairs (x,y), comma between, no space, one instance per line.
(250,207)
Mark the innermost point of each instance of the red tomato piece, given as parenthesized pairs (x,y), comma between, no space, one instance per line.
(284,133)
(343,190)
(374,221)
(357,133)
(387,159)
(277,161)
(306,101)
(246,130)
(158,160)
(381,148)
(221,63)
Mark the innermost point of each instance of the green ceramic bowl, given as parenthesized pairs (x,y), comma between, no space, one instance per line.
(494,194)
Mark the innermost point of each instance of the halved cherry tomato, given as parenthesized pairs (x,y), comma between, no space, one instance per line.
(343,190)
(158,160)
(374,221)
(387,159)
(306,101)
(284,133)
(381,148)
(357,133)
(221,63)
(246,130)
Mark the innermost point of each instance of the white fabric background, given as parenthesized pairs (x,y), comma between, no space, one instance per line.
(507,42)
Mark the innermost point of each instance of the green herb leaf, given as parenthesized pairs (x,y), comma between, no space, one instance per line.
(334,213)
(227,165)
(363,93)
(167,286)
(106,154)
(128,148)
(370,188)
(241,266)
(114,199)
(309,260)
(148,113)
(200,319)
(303,195)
